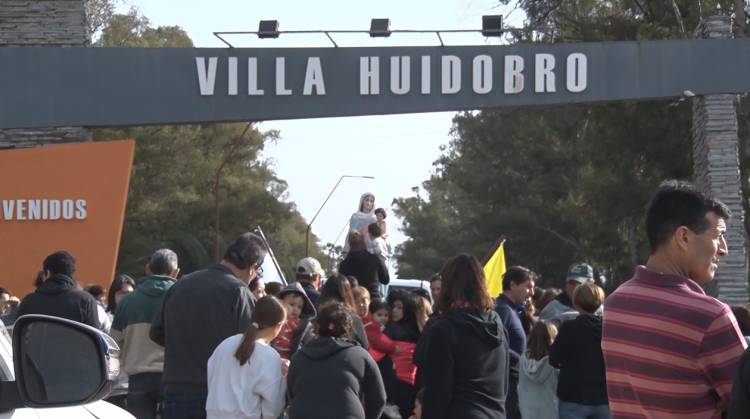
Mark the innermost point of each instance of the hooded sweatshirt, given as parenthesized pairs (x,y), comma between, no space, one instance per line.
(537,387)
(58,296)
(465,366)
(327,379)
(577,352)
(132,323)
(561,304)
(289,340)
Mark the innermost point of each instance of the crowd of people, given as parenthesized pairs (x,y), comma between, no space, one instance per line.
(221,343)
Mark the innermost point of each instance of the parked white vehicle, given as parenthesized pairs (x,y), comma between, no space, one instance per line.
(57,368)
(409,285)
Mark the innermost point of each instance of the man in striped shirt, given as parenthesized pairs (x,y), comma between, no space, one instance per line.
(670,350)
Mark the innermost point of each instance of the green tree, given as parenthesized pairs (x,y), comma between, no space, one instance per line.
(563,183)
(171,197)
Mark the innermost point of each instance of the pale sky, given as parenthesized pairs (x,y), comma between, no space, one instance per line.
(312,154)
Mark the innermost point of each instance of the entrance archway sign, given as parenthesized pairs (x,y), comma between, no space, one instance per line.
(50,87)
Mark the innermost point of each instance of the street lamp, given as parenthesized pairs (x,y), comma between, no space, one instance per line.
(309,225)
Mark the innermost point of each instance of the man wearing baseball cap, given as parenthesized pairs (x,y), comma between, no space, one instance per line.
(578,273)
(309,272)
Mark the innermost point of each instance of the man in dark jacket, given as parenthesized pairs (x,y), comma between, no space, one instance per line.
(518,287)
(140,357)
(365,266)
(58,295)
(199,312)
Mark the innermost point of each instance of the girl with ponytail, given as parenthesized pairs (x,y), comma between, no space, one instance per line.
(246,376)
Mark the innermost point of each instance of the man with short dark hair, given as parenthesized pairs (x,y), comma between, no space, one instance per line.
(198,313)
(59,295)
(363,265)
(559,309)
(140,357)
(308,274)
(670,350)
(436,284)
(518,287)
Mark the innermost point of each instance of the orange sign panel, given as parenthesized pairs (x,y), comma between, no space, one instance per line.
(67,197)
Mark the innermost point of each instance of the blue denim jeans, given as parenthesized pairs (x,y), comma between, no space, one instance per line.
(569,410)
(145,395)
(185,405)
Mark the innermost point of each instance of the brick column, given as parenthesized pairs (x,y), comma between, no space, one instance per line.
(43,23)
(716,169)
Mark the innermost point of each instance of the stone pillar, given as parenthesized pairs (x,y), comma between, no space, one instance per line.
(43,23)
(716,169)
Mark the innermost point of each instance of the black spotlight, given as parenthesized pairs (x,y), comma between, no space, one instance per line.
(268,29)
(380,28)
(492,25)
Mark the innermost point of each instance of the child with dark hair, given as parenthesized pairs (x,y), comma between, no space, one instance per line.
(379,245)
(537,384)
(245,374)
(299,312)
(380,344)
(274,288)
(96,291)
(403,329)
(380,217)
(332,376)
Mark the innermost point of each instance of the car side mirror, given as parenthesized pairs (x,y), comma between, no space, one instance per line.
(59,362)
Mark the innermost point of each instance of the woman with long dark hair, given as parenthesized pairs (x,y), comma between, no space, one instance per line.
(464,351)
(403,329)
(332,376)
(245,374)
(337,289)
(121,286)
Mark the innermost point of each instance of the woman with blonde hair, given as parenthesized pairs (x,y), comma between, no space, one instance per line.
(577,352)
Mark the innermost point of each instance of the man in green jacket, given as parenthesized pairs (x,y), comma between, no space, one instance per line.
(140,357)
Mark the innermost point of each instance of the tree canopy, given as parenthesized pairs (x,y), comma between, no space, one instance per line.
(171,198)
(563,184)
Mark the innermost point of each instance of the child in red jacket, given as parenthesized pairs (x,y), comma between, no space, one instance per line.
(380,344)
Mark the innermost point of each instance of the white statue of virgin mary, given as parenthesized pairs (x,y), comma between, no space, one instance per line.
(364,216)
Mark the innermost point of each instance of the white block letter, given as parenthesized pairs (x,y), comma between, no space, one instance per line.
(425,74)
(206,77)
(400,75)
(514,79)
(232,77)
(314,77)
(81,209)
(543,75)
(451,74)
(482,74)
(577,72)
(369,75)
(252,78)
(21,209)
(281,89)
